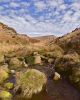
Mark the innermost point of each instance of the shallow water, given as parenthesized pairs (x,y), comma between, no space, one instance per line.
(61,90)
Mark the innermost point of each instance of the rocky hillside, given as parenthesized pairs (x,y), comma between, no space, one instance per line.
(4,28)
(70,41)
(9,35)
(11,41)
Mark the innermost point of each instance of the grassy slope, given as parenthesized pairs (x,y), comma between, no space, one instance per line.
(70,41)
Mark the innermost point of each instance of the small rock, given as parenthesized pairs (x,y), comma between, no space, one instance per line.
(56,76)
(13,71)
(24,64)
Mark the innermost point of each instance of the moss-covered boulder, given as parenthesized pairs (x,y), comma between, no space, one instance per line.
(15,63)
(29,83)
(8,85)
(4,95)
(3,75)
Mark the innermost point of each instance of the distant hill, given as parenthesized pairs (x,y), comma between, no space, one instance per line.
(46,39)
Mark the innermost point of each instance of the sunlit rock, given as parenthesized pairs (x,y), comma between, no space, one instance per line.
(56,76)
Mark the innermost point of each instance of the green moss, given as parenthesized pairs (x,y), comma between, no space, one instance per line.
(8,85)
(4,95)
(3,75)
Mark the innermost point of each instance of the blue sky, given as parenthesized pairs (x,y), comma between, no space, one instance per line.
(41,17)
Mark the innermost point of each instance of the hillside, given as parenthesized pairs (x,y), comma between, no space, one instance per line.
(9,35)
(70,41)
(46,39)
(10,40)
(4,28)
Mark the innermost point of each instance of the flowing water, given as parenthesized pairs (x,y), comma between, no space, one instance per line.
(61,90)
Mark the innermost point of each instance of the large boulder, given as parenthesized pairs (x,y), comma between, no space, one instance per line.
(37,59)
(29,83)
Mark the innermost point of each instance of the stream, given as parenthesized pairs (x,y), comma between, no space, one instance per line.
(61,90)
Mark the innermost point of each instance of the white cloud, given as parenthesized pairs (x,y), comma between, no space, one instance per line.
(5,0)
(41,28)
(60,21)
(63,6)
(1,8)
(40,5)
(75,6)
(14,4)
(24,4)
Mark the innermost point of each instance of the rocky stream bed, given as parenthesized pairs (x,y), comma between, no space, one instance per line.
(60,90)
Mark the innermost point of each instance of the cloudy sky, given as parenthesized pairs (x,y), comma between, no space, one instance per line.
(41,17)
